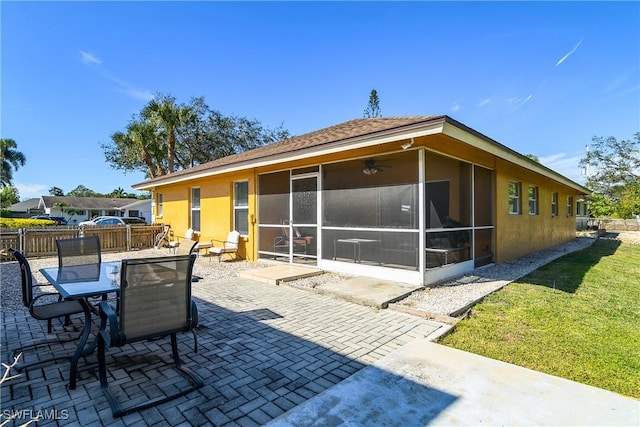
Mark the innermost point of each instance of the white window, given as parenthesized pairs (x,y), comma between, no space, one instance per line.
(569,205)
(160,205)
(554,204)
(241,207)
(533,200)
(514,197)
(195,208)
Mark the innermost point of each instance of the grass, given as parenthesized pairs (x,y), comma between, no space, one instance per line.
(586,328)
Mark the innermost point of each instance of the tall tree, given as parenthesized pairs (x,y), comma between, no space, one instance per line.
(82,191)
(613,172)
(118,193)
(170,116)
(11,159)
(612,164)
(373,107)
(55,191)
(8,196)
(138,148)
(204,135)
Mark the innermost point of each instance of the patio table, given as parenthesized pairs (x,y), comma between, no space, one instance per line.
(81,282)
(357,247)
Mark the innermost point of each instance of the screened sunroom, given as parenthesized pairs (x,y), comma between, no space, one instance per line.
(413,216)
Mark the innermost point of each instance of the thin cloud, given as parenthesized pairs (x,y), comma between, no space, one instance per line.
(564,58)
(484,102)
(564,165)
(88,58)
(518,104)
(455,106)
(30,191)
(123,86)
(143,95)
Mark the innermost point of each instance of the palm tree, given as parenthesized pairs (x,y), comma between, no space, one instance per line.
(169,116)
(10,159)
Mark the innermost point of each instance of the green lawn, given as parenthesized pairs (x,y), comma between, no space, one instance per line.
(587,329)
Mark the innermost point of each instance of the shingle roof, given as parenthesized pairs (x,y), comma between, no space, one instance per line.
(331,135)
(25,205)
(86,203)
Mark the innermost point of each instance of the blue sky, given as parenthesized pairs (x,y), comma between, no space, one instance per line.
(542,78)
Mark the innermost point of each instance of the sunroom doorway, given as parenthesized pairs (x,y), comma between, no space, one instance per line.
(288,216)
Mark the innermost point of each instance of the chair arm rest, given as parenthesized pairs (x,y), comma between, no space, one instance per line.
(112,336)
(46,294)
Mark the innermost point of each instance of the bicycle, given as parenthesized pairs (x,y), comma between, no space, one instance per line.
(163,238)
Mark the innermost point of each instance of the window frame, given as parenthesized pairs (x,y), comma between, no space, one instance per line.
(160,205)
(194,210)
(569,206)
(241,207)
(516,197)
(554,204)
(533,200)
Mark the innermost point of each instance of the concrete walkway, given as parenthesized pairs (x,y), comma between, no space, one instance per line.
(368,291)
(429,384)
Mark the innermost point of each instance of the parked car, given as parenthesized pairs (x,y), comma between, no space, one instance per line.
(112,220)
(58,219)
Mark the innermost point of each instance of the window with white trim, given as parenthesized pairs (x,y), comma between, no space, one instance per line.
(533,200)
(241,207)
(160,205)
(569,205)
(195,208)
(514,197)
(554,204)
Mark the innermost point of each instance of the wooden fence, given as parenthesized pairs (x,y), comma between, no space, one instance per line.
(608,224)
(41,242)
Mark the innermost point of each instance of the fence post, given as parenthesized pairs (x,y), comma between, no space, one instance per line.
(22,247)
(128,237)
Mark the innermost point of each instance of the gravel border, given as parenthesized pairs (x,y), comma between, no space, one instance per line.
(446,298)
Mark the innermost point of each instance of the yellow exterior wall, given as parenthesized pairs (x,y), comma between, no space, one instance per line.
(515,235)
(520,234)
(216,209)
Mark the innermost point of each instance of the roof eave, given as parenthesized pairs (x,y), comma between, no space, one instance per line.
(469,136)
(428,127)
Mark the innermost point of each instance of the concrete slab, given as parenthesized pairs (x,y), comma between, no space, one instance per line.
(369,291)
(426,383)
(279,273)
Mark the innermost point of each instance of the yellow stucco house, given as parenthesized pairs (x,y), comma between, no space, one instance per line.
(411,199)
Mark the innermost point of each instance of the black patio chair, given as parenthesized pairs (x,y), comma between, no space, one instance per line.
(155,302)
(78,251)
(42,311)
(80,257)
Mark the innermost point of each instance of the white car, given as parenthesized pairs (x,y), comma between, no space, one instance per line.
(112,220)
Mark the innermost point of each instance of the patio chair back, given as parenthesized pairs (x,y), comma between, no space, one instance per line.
(78,251)
(79,259)
(26,278)
(155,296)
(233,238)
(186,247)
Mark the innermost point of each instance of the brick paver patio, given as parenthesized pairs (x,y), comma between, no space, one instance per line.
(263,349)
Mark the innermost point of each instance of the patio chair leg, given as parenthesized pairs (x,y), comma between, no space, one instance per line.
(117,409)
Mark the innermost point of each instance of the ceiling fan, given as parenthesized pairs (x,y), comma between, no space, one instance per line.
(371,168)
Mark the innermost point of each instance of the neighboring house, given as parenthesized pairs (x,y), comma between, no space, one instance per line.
(76,209)
(139,208)
(412,199)
(26,208)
